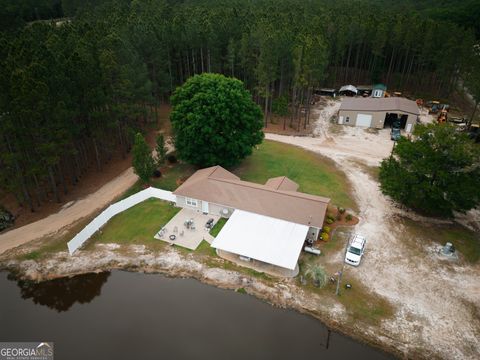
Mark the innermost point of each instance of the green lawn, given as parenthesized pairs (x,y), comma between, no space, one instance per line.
(136,225)
(205,249)
(218,226)
(315,174)
(465,241)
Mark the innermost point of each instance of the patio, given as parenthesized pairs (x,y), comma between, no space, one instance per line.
(187,229)
(259,266)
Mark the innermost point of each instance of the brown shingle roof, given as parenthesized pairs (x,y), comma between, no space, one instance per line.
(380,104)
(217,185)
(282,183)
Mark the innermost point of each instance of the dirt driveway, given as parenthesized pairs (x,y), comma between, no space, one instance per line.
(436,302)
(70,213)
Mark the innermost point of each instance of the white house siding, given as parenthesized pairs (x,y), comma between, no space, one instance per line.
(378,118)
(213,209)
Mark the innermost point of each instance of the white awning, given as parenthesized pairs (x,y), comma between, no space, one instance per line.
(263,238)
(348,88)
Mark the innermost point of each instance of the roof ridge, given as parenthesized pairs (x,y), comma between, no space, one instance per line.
(266,188)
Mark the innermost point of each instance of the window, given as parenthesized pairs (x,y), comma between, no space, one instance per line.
(191,202)
(347,119)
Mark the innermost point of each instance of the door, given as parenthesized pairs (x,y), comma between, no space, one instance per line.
(205,207)
(364,120)
(409,128)
(340,120)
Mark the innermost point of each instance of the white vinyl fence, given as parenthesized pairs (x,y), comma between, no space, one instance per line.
(115,209)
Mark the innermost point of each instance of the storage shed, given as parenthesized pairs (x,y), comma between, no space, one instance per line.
(379,90)
(378,112)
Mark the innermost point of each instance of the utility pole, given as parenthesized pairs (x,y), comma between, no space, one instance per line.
(340,273)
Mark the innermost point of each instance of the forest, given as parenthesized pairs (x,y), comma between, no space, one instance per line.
(79,78)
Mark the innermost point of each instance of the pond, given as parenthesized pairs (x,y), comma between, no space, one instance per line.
(123,315)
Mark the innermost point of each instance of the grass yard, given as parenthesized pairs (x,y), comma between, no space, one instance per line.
(315,174)
(136,225)
(465,241)
(218,226)
(205,249)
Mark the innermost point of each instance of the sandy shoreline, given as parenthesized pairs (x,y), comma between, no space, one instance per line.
(280,293)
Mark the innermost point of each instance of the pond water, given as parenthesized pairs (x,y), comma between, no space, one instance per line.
(123,315)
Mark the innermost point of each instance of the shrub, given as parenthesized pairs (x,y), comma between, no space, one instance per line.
(172,159)
(326,229)
(341,210)
(329,221)
(349,217)
(157,173)
(324,235)
(6,218)
(317,274)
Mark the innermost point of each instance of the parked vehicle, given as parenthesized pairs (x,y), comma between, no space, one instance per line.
(355,250)
(395,134)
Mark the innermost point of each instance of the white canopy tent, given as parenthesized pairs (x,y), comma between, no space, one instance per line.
(262,238)
(348,88)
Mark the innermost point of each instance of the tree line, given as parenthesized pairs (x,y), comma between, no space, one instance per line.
(72,94)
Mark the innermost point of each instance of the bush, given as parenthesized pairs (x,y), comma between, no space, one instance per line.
(317,274)
(324,235)
(349,217)
(329,221)
(6,218)
(157,173)
(172,159)
(326,229)
(341,210)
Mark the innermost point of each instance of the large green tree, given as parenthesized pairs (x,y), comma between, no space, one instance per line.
(143,162)
(436,172)
(215,121)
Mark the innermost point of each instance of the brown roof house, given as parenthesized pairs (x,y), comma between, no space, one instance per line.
(379,112)
(267,223)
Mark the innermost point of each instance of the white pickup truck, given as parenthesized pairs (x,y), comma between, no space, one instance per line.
(355,250)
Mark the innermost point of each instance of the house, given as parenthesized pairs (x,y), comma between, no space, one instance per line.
(378,112)
(379,90)
(268,223)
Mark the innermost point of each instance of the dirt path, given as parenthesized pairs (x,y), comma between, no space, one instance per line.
(436,302)
(69,214)
(74,210)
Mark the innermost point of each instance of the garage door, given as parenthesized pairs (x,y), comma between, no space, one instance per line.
(364,120)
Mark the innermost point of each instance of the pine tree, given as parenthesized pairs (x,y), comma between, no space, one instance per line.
(143,163)
(161,150)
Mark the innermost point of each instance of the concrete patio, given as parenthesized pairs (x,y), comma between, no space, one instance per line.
(185,237)
(259,266)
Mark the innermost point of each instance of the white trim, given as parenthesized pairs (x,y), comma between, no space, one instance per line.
(205,208)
